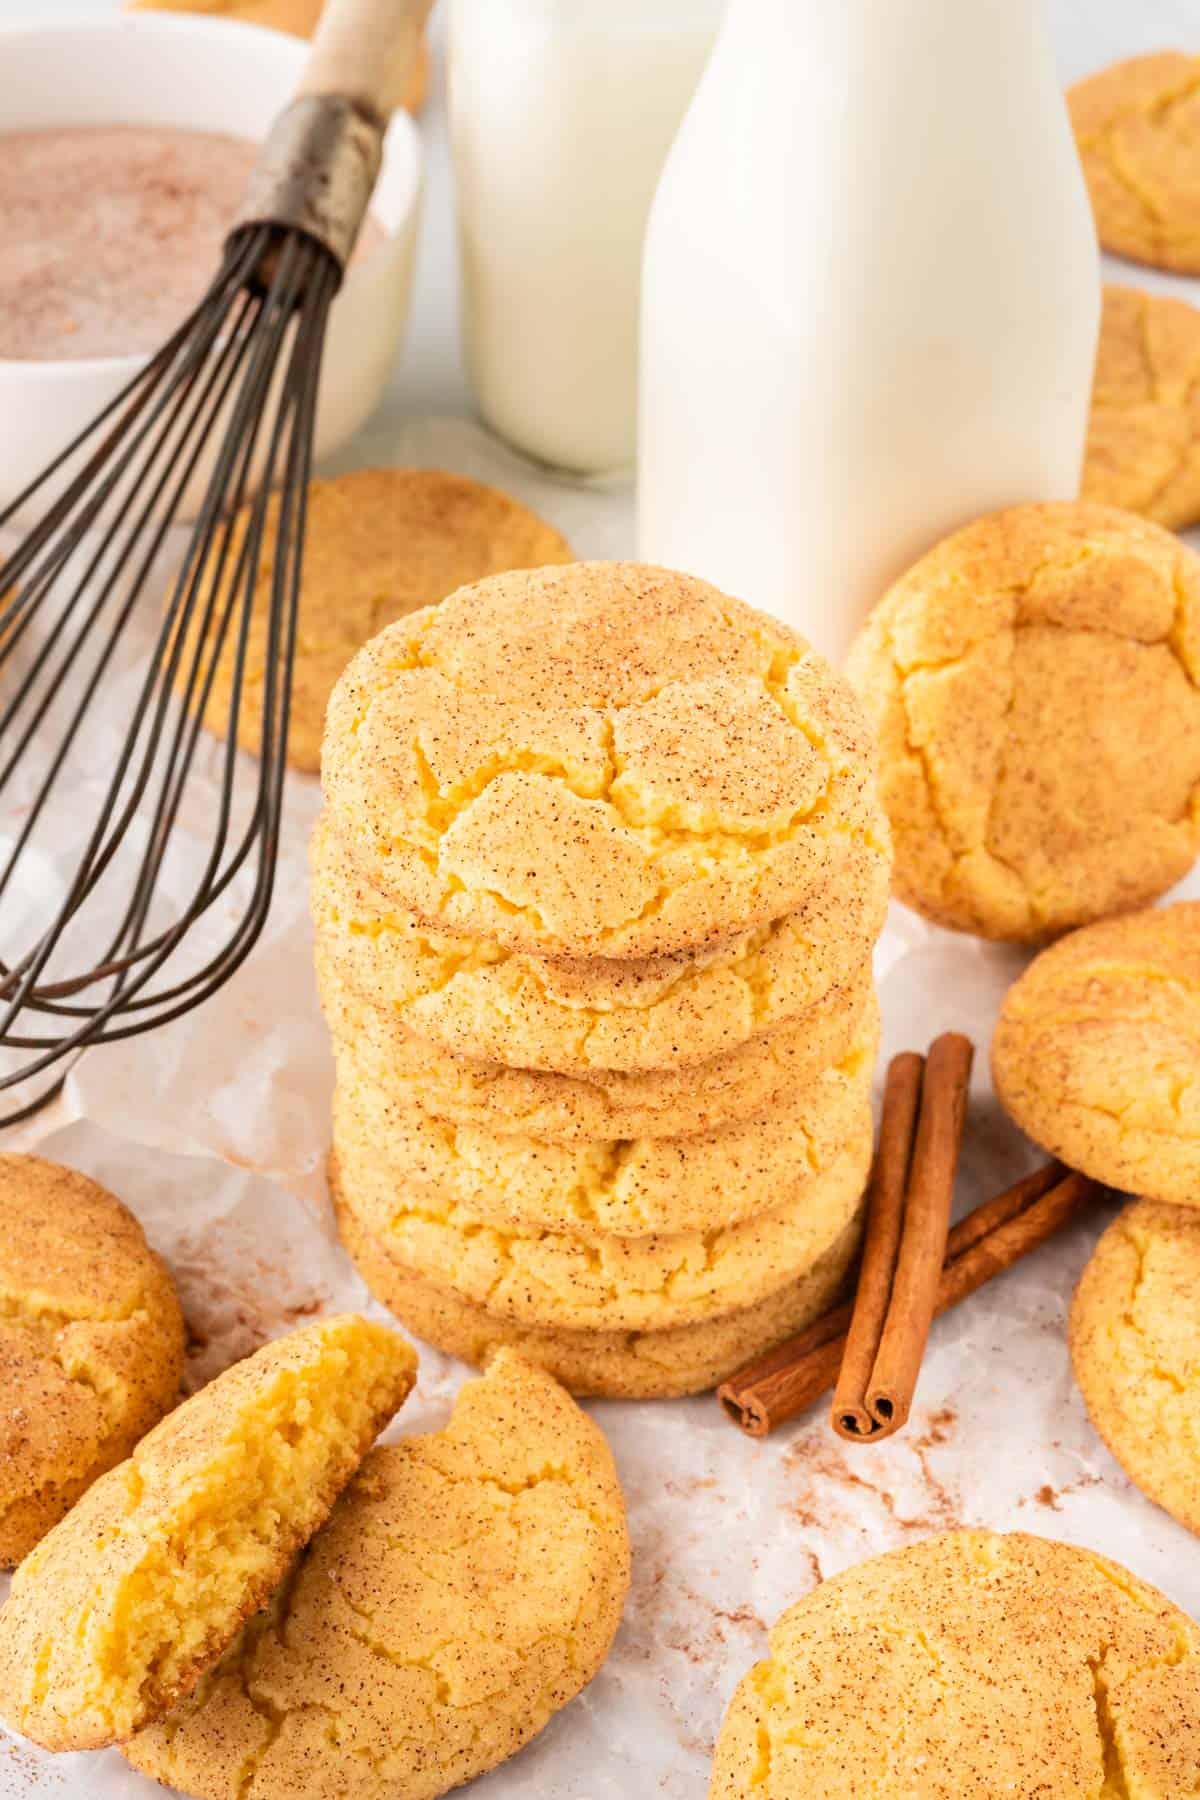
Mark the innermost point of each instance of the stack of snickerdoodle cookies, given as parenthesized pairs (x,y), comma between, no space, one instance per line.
(596,887)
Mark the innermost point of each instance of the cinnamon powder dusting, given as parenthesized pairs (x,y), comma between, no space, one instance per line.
(110,234)
(872,1497)
(1052,1498)
(234,1305)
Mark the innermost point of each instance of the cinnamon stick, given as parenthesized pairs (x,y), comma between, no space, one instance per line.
(926,1231)
(885,1221)
(989,1241)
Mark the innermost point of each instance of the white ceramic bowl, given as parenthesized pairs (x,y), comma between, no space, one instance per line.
(207,75)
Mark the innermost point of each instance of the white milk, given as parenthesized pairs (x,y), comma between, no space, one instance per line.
(562,113)
(871,299)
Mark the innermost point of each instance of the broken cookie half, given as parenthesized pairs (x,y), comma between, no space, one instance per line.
(118,1612)
(468,1584)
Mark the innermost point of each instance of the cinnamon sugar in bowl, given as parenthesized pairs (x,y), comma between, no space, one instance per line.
(205,83)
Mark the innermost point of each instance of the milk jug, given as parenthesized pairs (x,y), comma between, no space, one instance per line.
(562,113)
(871,299)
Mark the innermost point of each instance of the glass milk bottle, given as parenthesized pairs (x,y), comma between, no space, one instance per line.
(562,112)
(871,299)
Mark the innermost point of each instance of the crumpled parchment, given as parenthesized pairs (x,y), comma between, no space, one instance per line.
(214,1131)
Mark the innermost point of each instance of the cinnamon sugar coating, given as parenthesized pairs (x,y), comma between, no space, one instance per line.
(380,543)
(1143,448)
(116,1614)
(569,1282)
(467,1586)
(1137,124)
(603,760)
(1097,1052)
(1035,684)
(966,1667)
(91,1343)
(403,1071)
(630,1187)
(1135,1346)
(622,1365)
(477,999)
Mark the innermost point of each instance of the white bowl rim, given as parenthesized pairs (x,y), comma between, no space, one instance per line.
(172,24)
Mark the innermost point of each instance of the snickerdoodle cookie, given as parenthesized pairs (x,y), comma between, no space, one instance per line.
(475,998)
(1097,1052)
(602,760)
(575,1283)
(967,1667)
(620,1365)
(1144,437)
(403,1071)
(631,1187)
(467,1586)
(1135,1344)
(1035,683)
(299,17)
(116,1614)
(1137,124)
(380,544)
(91,1343)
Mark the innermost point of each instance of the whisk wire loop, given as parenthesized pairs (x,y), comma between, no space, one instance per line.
(106,960)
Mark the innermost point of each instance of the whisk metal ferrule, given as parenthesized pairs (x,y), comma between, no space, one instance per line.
(316,171)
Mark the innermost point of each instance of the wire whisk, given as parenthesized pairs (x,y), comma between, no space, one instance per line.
(227,407)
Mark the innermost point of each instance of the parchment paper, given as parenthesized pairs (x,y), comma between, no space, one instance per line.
(214,1131)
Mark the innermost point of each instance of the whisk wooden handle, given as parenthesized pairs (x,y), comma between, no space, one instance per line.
(364,50)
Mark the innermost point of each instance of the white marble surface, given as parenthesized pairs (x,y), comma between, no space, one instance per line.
(215,1132)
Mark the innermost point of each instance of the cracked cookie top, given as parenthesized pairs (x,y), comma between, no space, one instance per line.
(1097,1052)
(380,543)
(477,999)
(1137,124)
(91,1343)
(116,1614)
(599,760)
(578,1283)
(967,1666)
(619,1365)
(467,1586)
(1135,1345)
(398,1071)
(1143,448)
(1035,683)
(632,1186)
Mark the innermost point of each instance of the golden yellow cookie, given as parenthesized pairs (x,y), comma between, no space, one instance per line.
(91,1343)
(1137,124)
(1035,684)
(299,17)
(120,1609)
(1135,1344)
(402,1071)
(620,1365)
(968,1667)
(631,1187)
(1144,437)
(466,1587)
(1097,1052)
(477,999)
(380,544)
(601,760)
(573,1283)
